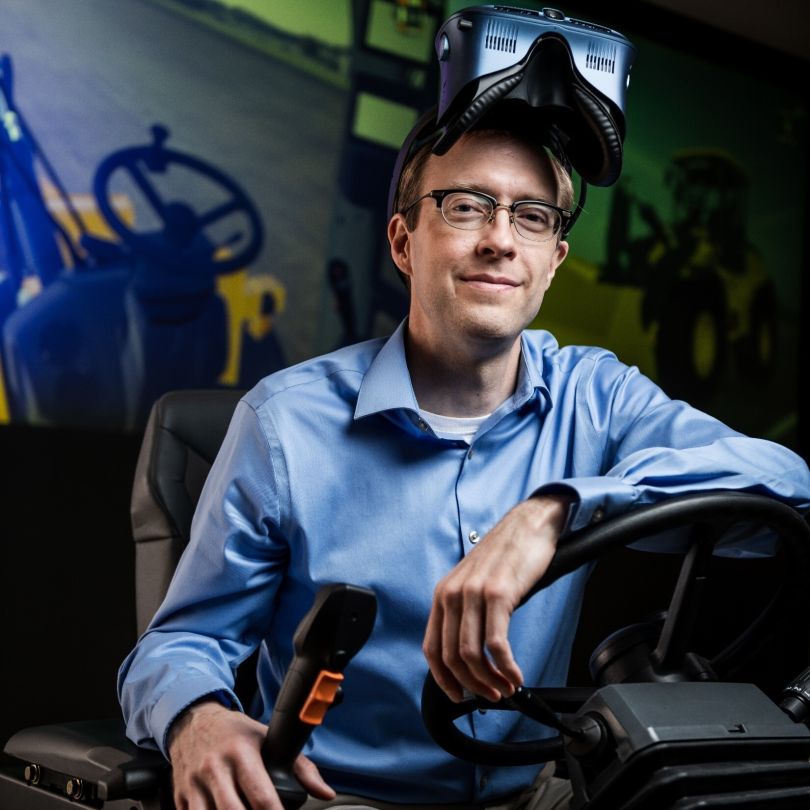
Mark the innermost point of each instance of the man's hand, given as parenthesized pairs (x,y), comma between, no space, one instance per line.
(466,642)
(217,763)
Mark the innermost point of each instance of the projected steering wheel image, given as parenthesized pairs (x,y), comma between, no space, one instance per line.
(149,289)
(220,239)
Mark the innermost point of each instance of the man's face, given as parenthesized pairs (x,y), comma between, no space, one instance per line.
(484,286)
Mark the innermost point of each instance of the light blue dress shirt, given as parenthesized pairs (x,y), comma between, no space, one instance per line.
(328,474)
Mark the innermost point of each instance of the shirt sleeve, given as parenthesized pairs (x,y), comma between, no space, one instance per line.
(219,604)
(654,447)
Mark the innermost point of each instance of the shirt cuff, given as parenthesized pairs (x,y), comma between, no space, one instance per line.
(593,499)
(598,498)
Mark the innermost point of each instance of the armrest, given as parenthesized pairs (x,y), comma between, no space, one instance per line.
(96,751)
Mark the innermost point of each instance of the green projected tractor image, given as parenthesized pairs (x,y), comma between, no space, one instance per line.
(706,288)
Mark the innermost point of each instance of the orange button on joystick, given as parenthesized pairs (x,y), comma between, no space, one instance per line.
(320,697)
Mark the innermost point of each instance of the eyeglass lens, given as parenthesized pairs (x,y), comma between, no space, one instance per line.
(470,211)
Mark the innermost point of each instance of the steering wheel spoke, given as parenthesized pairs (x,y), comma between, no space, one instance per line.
(148,190)
(220,212)
(684,608)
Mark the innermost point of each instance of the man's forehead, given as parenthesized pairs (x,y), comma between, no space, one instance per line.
(481,160)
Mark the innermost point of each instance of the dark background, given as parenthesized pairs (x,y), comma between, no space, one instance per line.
(66,563)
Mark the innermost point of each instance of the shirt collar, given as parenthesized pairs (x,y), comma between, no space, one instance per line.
(530,375)
(387,384)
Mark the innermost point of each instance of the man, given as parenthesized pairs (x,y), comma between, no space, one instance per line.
(439,468)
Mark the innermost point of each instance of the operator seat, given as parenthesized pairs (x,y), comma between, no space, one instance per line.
(181,440)
(93,760)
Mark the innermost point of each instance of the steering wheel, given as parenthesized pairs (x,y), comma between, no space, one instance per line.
(181,226)
(631,654)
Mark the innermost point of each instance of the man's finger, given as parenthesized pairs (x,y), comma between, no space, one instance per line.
(310,777)
(196,797)
(256,786)
(476,671)
(226,797)
(432,648)
(447,681)
(497,644)
(463,646)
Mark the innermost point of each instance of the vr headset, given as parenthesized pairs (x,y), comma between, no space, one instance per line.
(552,78)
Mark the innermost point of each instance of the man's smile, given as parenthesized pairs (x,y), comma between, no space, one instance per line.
(490,282)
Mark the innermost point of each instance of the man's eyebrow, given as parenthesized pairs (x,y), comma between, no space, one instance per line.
(473,186)
(470,186)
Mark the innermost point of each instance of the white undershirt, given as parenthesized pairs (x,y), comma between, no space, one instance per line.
(453,427)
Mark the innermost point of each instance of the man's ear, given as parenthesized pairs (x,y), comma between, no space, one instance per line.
(557,258)
(399,237)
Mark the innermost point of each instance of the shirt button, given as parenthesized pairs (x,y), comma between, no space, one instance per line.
(470,453)
(422,424)
(598,515)
(473,535)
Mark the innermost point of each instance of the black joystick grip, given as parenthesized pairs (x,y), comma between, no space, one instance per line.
(333,631)
(796,698)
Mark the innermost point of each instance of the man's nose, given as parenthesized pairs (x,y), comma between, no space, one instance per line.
(499,230)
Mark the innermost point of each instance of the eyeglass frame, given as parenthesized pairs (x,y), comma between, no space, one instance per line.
(440,194)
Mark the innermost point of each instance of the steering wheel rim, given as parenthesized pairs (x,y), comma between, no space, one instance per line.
(157,158)
(712,514)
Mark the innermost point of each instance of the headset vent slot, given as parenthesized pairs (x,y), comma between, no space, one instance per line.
(601,56)
(501,36)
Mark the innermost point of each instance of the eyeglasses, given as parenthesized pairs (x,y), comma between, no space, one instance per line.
(471,210)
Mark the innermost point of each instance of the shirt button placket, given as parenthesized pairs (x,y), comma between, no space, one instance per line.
(473,535)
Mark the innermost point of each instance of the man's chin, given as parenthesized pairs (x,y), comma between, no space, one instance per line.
(491,323)
(494,330)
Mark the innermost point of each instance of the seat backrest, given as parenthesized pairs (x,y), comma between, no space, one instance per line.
(181,440)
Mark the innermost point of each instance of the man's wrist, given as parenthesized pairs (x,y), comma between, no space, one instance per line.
(219,700)
(552,509)
(556,507)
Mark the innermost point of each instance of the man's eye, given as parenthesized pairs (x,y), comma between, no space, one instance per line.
(466,206)
(534,215)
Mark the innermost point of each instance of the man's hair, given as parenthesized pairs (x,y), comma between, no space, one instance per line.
(410,178)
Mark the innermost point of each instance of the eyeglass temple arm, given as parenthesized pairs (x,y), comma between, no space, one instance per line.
(580,207)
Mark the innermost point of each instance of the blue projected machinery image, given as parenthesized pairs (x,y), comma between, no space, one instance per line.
(98,316)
